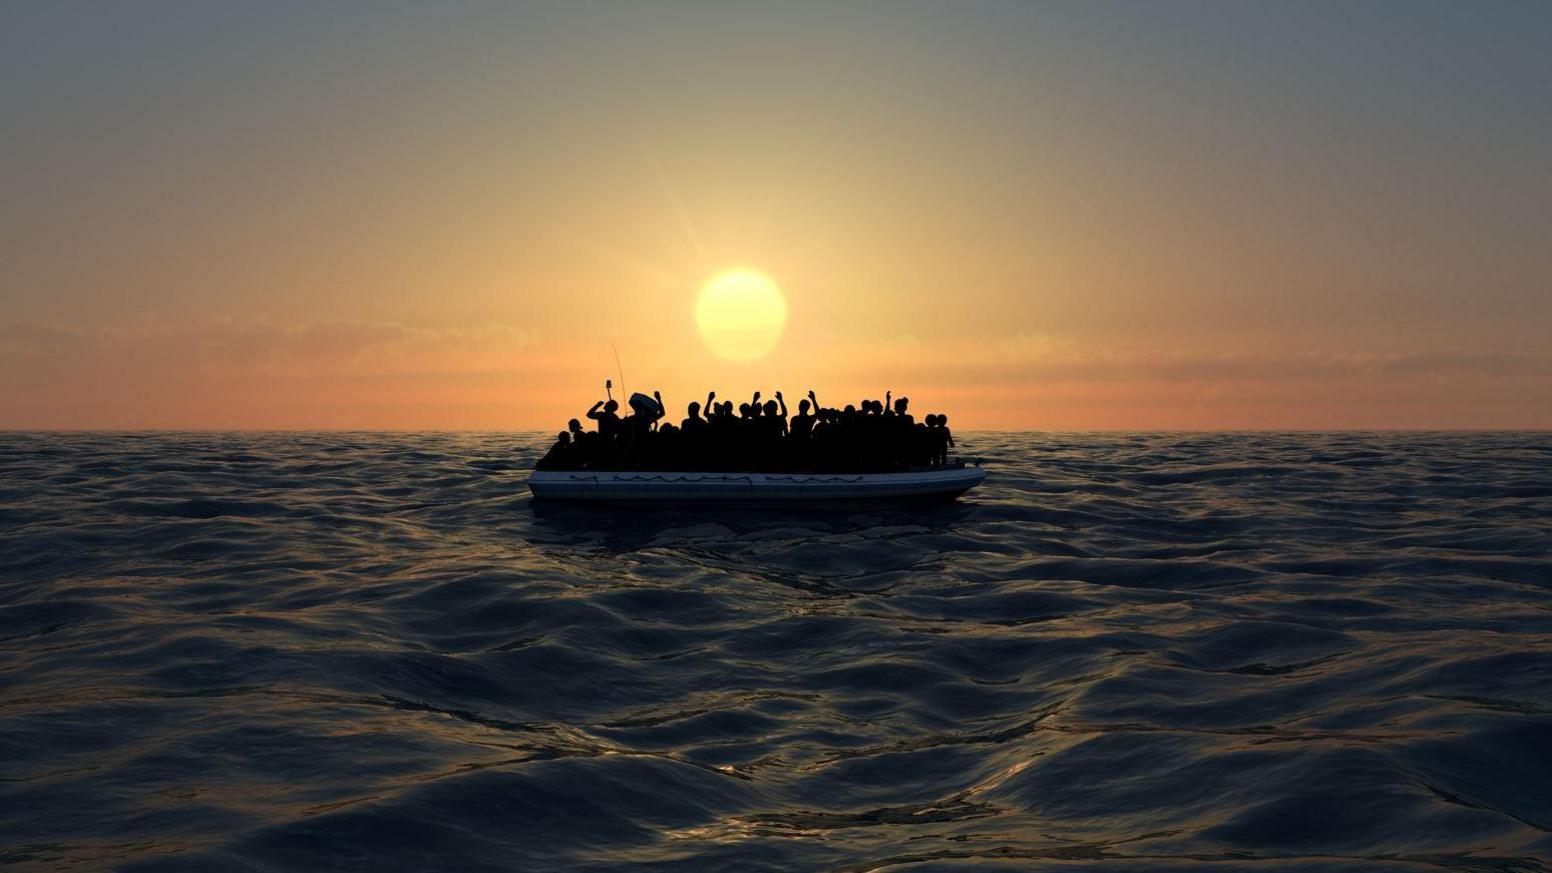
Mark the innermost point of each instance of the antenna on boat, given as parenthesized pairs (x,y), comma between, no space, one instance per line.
(617,366)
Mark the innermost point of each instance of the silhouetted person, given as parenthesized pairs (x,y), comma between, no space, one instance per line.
(693,423)
(801,427)
(666,449)
(584,445)
(723,437)
(561,456)
(608,420)
(942,437)
(772,413)
(692,441)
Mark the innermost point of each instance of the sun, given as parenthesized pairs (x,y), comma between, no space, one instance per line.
(740,314)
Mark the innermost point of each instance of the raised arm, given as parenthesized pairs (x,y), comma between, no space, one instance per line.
(593,413)
(783,402)
(706,410)
(814,400)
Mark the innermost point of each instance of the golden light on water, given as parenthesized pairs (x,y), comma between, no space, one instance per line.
(740,314)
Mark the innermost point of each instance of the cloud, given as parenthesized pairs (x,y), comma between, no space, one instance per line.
(228,347)
(229,373)
(1028,357)
(222,373)
(1044,381)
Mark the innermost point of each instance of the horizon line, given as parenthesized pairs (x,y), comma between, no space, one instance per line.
(396,430)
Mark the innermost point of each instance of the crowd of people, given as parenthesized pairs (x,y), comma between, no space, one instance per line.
(877,436)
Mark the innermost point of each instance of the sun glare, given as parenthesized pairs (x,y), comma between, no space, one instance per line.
(740,314)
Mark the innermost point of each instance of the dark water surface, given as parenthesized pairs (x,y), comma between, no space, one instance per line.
(1125,652)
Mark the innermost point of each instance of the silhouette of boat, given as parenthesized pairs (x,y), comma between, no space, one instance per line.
(935,483)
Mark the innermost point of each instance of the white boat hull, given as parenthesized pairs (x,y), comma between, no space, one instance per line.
(739,487)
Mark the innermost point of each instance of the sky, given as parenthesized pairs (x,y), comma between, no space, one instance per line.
(1090,215)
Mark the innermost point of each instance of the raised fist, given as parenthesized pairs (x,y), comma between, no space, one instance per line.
(778,396)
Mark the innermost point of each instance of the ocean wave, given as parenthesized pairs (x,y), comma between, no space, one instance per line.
(1125,651)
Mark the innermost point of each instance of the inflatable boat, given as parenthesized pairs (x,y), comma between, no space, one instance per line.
(937,483)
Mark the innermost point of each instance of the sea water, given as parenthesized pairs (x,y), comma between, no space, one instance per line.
(372,651)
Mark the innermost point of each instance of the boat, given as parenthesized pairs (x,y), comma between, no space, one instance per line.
(932,483)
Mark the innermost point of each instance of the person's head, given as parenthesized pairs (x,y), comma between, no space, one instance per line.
(574,426)
(563,438)
(942,420)
(695,409)
(850,409)
(611,406)
(802,407)
(771,408)
(901,404)
(743,410)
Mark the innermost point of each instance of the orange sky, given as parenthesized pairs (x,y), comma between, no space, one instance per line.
(1117,216)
